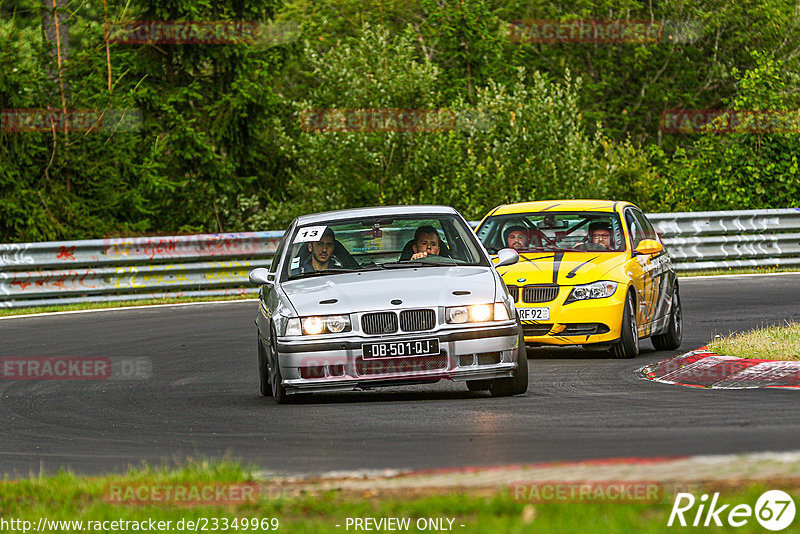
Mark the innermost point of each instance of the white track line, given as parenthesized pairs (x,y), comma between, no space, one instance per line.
(726,276)
(120,308)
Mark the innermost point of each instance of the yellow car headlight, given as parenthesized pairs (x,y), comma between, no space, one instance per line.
(597,290)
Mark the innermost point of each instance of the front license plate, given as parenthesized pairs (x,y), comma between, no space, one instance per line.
(534,314)
(389,349)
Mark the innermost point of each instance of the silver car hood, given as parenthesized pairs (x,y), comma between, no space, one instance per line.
(374,290)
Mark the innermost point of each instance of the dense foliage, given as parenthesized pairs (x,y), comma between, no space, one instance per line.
(219,137)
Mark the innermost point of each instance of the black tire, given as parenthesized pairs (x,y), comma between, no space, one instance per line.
(479,385)
(518,383)
(673,335)
(628,344)
(278,391)
(263,372)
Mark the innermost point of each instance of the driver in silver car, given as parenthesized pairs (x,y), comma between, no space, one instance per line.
(426,242)
(321,255)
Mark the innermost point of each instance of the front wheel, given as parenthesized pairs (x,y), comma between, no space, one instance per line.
(673,335)
(628,344)
(518,383)
(278,391)
(263,372)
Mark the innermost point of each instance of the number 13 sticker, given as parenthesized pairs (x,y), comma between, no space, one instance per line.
(310,233)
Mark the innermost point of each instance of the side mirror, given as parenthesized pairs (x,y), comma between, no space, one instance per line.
(506,256)
(260,276)
(648,246)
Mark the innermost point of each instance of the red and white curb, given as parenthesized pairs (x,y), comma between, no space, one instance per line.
(703,368)
(761,466)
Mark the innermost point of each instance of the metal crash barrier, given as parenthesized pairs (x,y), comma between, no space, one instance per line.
(136,268)
(107,270)
(706,240)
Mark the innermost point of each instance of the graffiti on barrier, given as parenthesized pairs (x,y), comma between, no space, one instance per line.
(177,246)
(231,271)
(12,254)
(149,276)
(66,253)
(44,281)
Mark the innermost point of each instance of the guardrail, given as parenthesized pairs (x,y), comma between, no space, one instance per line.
(704,240)
(105,270)
(66,272)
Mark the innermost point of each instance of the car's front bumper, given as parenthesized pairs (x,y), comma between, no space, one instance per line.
(337,363)
(567,320)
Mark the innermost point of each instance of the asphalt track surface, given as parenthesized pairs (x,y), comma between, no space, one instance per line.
(202,400)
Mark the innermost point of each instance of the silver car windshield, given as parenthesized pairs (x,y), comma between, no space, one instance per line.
(553,232)
(373,243)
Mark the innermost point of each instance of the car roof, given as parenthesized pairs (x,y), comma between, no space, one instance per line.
(561,205)
(375,211)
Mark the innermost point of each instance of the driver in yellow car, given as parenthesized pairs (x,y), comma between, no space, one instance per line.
(600,236)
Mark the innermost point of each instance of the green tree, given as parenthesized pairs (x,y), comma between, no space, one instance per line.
(722,171)
(508,143)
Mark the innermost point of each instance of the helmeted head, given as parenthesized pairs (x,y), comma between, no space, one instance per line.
(516,237)
(600,233)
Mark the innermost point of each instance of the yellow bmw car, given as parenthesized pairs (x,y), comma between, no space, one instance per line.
(591,273)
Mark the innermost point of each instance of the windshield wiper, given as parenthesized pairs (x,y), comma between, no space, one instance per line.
(402,264)
(371,267)
(309,274)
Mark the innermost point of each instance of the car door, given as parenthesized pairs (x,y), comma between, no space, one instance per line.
(661,279)
(267,295)
(636,268)
(651,271)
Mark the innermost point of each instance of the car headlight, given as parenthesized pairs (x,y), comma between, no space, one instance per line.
(597,290)
(293,327)
(477,313)
(314,325)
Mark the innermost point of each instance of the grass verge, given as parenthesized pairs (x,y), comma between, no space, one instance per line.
(117,304)
(781,342)
(66,497)
(735,271)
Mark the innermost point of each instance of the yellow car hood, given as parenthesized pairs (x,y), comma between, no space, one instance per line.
(563,268)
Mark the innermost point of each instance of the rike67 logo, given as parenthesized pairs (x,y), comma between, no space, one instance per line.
(774,510)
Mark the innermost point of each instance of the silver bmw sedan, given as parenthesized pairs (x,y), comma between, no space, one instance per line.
(386,296)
